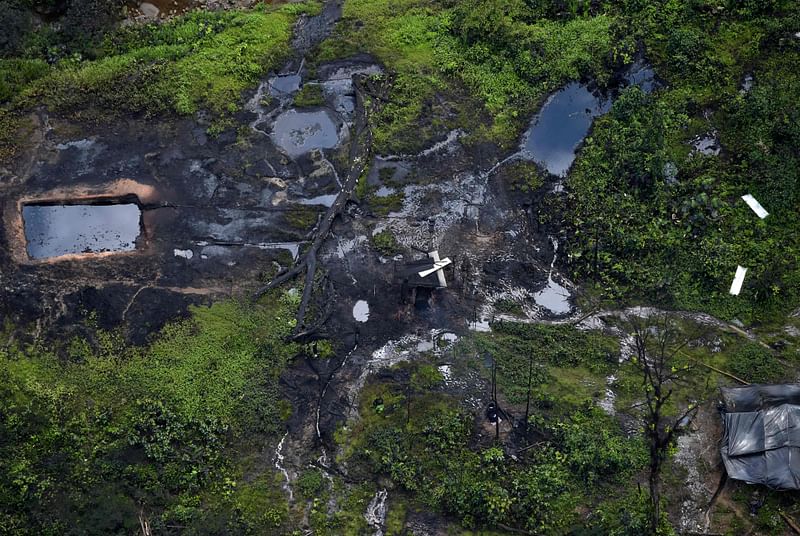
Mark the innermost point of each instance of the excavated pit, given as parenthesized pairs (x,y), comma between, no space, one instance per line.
(54,230)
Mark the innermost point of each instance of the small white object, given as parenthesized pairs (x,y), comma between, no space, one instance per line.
(738,279)
(755,205)
(361,311)
(149,10)
(185,253)
(446,372)
(438,266)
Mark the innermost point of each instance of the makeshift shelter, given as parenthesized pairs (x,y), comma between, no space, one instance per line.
(762,434)
(420,277)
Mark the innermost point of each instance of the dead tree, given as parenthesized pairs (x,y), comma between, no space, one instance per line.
(657,346)
(367,103)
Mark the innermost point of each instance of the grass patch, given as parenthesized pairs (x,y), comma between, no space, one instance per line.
(571,386)
(508,306)
(302,216)
(553,349)
(310,95)
(383,205)
(203,60)
(385,243)
(91,439)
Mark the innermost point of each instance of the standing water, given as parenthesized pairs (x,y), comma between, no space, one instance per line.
(284,84)
(56,230)
(300,132)
(361,311)
(553,297)
(566,117)
(560,127)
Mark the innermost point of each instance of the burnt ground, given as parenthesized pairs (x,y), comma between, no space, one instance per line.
(216,198)
(220,214)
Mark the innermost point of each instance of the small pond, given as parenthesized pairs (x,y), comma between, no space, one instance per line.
(284,84)
(566,117)
(56,230)
(325,200)
(554,297)
(298,133)
(563,122)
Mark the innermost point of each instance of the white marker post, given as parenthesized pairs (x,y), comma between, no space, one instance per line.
(738,279)
(756,206)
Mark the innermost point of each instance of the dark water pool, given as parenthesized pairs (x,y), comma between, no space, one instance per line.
(563,122)
(566,117)
(284,84)
(300,132)
(56,230)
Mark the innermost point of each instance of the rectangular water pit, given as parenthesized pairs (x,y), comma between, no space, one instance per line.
(59,229)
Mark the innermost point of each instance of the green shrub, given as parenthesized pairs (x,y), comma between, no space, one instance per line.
(310,95)
(596,449)
(756,364)
(385,243)
(628,515)
(508,306)
(15,21)
(15,74)
(310,483)
(524,177)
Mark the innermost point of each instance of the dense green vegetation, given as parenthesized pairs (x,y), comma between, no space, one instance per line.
(677,240)
(420,436)
(107,433)
(497,56)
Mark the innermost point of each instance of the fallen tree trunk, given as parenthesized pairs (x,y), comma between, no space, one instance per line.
(359,156)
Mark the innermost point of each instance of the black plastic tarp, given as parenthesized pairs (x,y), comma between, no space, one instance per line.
(762,434)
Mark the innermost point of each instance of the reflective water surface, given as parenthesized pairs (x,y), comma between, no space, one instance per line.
(55,230)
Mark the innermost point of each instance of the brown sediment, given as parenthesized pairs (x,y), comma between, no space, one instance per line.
(122,189)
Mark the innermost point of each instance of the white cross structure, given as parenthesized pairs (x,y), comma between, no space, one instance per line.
(438,266)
